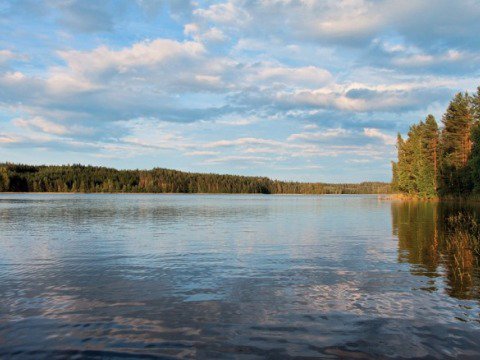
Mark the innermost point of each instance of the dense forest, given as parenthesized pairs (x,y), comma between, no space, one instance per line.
(434,162)
(91,179)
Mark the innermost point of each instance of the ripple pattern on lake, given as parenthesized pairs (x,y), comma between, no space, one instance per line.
(228,276)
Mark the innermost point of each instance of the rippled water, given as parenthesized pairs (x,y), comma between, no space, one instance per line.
(229,276)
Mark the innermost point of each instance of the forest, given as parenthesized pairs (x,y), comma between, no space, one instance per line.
(444,162)
(91,179)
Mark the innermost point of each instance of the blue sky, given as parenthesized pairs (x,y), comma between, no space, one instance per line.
(291,89)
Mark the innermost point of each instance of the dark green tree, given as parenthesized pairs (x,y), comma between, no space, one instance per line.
(476,105)
(4,179)
(415,172)
(428,172)
(474,162)
(78,178)
(404,166)
(456,146)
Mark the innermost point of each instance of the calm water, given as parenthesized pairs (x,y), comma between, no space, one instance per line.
(228,276)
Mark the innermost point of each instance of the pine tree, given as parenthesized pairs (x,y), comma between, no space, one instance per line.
(475,159)
(430,164)
(408,161)
(395,176)
(4,179)
(474,162)
(430,152)
(414,146)
(456,145)
(476,105)
(403,167)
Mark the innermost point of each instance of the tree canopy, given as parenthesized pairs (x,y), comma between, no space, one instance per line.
(433,162)
(79,178)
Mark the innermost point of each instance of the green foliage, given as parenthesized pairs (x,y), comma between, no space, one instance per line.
(456,146)
(4,179)
(476,105)
(433,164)
(474,162)
(416,169)
(79,178)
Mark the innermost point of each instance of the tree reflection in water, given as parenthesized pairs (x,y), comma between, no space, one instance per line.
(441,239)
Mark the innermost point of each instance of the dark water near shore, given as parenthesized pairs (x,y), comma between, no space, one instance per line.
(231,276)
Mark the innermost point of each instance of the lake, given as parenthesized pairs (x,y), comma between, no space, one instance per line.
(231,276)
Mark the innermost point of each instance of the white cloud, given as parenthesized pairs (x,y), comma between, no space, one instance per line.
(359,161)
(418,60)
(241,141)
(61,82)
(241,159)
(238,120)
(286,80)
(196,32)
(49,127)
(346,22)
(375,133)
(320,135)
(201,153)
(6,139)
(289,76)
(13,77)
(41,124)
(141,54)
(224,13)
(6,56)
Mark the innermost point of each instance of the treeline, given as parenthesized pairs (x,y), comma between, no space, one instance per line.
(91,179)
(445,162)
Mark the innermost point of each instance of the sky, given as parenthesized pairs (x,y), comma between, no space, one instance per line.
(298,90)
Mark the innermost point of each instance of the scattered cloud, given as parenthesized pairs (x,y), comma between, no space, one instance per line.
(42,125)
(213,86)
(375,133)
(319,135)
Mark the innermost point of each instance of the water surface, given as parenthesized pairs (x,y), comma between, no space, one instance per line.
(230,276)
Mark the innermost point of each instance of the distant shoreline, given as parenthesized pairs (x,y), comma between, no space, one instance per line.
(436,199)
(71,179)
(176,193)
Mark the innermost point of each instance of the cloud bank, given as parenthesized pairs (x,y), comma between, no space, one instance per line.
(233,86)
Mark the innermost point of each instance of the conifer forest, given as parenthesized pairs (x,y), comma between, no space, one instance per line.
(444,161)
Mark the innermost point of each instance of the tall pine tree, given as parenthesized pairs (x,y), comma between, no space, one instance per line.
(456,146)
(476,105)
(474,162)
(430,155)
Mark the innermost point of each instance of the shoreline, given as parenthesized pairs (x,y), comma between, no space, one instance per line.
(158,193)
(379,197)
(436,199)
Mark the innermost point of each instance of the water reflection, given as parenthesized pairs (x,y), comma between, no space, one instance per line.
(229,277)
(433,238)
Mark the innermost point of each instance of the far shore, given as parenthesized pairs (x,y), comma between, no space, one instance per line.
(380,197)
(416,198)
(165,193)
